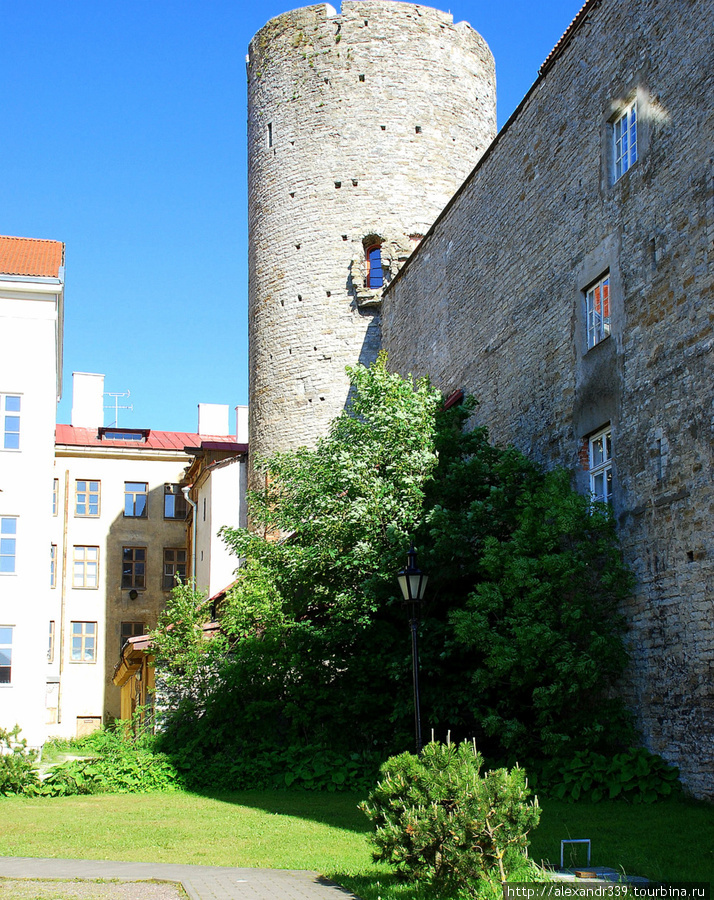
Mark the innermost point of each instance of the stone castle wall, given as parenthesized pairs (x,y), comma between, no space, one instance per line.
(361,126)
(493,302)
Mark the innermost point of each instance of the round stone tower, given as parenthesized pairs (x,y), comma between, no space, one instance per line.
(361,126)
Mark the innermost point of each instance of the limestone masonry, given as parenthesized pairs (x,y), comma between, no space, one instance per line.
(569,287)
(361,125)
(567,282)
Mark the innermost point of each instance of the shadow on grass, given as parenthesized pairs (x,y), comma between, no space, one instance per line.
(669,841)
(336,809)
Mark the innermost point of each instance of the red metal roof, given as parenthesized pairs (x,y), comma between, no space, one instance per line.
(157,440)
(30,256)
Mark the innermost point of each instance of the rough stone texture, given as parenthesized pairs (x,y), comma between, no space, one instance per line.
(493,300)
(360,126)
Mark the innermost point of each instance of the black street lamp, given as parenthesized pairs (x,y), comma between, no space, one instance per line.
(412,581)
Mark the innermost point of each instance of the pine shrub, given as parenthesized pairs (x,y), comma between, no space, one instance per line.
(439,819)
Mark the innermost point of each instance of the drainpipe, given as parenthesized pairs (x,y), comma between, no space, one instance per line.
(185,491)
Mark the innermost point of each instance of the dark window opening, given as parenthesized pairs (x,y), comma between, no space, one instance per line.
(375,274)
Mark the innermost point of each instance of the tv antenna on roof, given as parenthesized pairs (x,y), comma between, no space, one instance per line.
(116,406)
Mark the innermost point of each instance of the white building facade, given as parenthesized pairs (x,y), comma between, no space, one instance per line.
(31,320)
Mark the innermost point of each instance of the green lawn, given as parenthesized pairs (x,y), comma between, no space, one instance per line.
(672,841)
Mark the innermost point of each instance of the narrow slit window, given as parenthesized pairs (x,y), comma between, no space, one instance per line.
(375,273)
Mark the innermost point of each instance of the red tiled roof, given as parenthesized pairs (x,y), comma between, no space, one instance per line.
(30,256)
(569,32)
(157,440)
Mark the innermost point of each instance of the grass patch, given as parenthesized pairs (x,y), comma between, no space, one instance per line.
(672,840)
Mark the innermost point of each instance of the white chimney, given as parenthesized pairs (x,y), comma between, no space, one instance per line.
(87,400)
(213,419)
(241,424)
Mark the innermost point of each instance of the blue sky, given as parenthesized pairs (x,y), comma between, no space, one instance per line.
(124,137)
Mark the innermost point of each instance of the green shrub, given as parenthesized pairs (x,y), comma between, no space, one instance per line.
(119,761)
(438,819)
(636,775)
(17,763)
(261,765)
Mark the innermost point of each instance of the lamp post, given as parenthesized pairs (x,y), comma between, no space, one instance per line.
(412,581)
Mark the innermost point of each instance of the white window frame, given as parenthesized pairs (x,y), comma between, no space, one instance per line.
(624,140)
(55,495)
(91,491)
(600,463)
(85,564)
(85,640)
(51,642)
(8,545)
(7,426)
(132,491)
(6,645)
(597,323)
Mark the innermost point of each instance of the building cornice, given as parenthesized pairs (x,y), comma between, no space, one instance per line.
(65,450)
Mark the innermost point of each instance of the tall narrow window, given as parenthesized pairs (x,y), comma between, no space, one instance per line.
(83,646)
(53,565)
(85,567)
(597,310)
(5,654)
(625,140)
(269,134)
(375,273)
(174,567)
(55,495)
(8,544)
(86,498)
(136,494)
(51,642)
(601,466)
(10,410)
(133,573)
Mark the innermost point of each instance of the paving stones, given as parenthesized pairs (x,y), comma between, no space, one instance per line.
(199,882)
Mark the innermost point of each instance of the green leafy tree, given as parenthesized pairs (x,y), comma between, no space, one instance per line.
(522,638)
(527,588)
(187,662)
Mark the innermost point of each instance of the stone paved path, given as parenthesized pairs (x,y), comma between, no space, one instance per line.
(199,882)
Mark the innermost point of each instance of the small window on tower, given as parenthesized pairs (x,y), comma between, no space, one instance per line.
(375,274)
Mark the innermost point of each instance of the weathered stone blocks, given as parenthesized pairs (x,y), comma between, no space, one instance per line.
(493,303)
(361,125)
